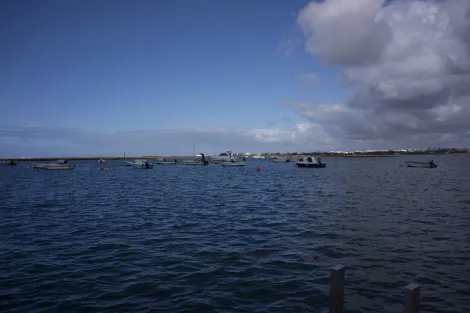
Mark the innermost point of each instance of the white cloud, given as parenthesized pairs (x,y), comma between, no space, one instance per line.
(408,63)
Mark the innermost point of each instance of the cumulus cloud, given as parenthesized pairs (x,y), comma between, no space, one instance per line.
(407,61)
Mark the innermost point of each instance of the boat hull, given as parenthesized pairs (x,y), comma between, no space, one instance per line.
(322,165)
(8,163)
(195,163)
(233,164)
(142,166)
(55,167)
(165,162)
(421,164)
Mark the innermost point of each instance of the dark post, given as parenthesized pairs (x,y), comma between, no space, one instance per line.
(412,298)
(337,289)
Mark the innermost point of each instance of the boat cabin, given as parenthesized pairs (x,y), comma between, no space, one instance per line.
(309,161)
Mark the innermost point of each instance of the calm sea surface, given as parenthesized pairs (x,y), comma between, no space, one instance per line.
(214,239)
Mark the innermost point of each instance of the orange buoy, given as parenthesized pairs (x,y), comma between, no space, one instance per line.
(101,168)
(258,169)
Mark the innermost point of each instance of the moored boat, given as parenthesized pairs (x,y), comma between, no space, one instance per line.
(165,161)
(140,164)
(8,162)
(310,161)
(202,161)
(53,166)
(233,163)
(280,160)
(429,164)
(223,157)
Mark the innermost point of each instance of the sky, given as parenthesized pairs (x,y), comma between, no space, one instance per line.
(158,77)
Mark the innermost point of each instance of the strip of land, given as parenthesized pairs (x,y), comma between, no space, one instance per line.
(265,156)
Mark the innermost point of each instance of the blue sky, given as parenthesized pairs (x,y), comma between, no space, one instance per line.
(78,70)
(132,65)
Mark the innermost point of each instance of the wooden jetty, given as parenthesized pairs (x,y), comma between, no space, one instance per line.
(411,300)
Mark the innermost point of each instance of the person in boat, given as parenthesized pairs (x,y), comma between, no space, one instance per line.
(319,161)
(431,164)
(147,165)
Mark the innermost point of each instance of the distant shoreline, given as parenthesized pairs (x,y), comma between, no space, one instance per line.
(154,157)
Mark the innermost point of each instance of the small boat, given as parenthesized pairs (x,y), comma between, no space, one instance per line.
(280,160)
(223,157)
(140,164)
(310,161)
(8,162)
(233,163)
(202,161)
(165,161)
(53,166)
(62,161)
(101,161)
(194,162)
(429,164)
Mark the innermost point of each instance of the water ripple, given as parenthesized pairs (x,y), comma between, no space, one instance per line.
(213,239)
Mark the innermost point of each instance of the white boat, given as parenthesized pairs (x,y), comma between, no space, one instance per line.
(101,161)
(201,161)
(233,164)
(140,164)
(165,161)
(280,160)
(429,164)
(223,157)
(8,162)
(310,161)
(53,166)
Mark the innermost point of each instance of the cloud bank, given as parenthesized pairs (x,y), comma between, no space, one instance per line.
(408,63)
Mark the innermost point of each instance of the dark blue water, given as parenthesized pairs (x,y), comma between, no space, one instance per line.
(214,239)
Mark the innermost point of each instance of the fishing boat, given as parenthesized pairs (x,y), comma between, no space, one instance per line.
(223,157)
(53,166)
(140,164)
(165,161)
(429,164)
(202,161)
(310,161)
(233,163)
(280,160)
(8,162)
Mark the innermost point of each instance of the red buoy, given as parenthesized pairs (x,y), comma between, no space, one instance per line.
(258,169)
(101,168)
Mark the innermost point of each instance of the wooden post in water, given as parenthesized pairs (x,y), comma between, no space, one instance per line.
(412,298)
(337,289)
